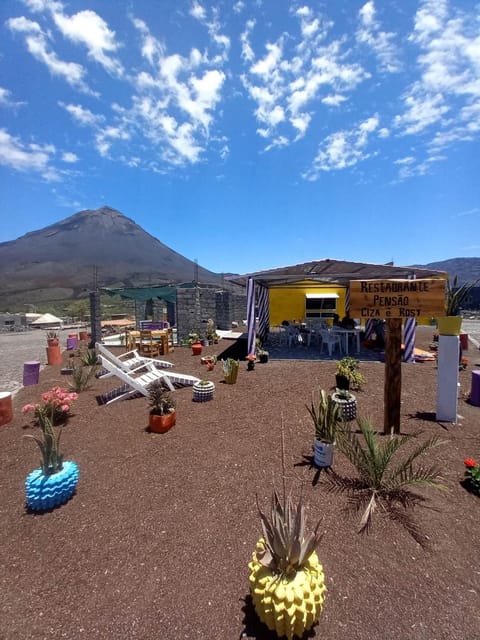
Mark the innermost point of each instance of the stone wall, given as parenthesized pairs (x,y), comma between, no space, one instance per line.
(195,306)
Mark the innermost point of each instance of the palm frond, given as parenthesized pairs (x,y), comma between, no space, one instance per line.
(403,469)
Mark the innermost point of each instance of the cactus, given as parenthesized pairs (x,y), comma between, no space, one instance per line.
(230,370)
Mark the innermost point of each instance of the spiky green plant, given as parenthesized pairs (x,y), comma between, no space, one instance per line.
(326,415)
(81,377)
(455,296)
(383,481)
(287,546)
(287,582)
(89,358)
(52,459)
(230,370)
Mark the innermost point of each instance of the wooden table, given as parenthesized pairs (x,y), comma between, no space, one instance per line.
(165,336)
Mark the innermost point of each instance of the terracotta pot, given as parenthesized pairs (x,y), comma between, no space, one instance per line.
(161,424)
(52,342)
(6,407)
(197,348)
(54,355)
(83,335)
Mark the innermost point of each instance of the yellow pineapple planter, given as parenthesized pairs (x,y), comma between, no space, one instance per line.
(287,604)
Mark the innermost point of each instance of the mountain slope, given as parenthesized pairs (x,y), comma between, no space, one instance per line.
(467,269)
(101,244)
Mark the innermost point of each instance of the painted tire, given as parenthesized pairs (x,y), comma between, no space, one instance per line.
(45,492)
(203,393)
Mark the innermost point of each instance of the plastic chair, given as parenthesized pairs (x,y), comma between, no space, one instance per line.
(331,340)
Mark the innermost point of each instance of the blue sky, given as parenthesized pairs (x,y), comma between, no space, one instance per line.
(248,135)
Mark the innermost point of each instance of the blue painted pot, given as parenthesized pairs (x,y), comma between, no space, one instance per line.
(45,492)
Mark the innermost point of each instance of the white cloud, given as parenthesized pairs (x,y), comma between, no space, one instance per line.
(69,157)
(27,157)
(334,100)
(294,75)
(445,100)
(88,28)
(37,44)
(343,149)
(176,101)
(370,34)
(81,115)
(406,160)
(197,11)
(106,136)
(6,100)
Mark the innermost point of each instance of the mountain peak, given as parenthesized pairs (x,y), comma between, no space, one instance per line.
(63,254)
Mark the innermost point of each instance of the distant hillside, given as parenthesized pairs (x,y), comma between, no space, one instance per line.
(64,259)
(467,269)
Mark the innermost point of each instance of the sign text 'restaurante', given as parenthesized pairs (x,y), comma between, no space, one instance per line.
(397,298)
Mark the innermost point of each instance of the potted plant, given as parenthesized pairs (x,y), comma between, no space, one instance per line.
(230,370)
(472,476)
(209,361)
(348,374)
(326,415)
(195,343)
(52,338)
(451,324)
(347,403)
(162,408)
(251,361)
(203,390)
(54,482)
(210,331)
(287,582)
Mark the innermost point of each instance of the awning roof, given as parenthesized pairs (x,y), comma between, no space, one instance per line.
(334,271)
(142,294)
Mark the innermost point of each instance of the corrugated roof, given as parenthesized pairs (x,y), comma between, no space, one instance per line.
(334,271)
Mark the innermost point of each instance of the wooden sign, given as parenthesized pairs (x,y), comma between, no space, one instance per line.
(397,298)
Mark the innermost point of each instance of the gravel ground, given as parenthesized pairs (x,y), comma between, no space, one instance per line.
(156,541)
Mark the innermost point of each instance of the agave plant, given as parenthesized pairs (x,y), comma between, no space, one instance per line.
(455,296)
(287,547)
(383,481)
(287,582)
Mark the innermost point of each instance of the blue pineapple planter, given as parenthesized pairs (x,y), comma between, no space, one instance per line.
(45,492)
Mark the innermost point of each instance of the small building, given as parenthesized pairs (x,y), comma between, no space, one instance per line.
(12,322)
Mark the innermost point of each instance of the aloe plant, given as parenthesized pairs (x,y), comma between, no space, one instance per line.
(456,296)
(52,459)
(326,415)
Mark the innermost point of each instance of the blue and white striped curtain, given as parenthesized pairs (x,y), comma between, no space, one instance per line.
(251,328)
(263,312)
(347,300)
(368,328)
(409,336)
(409,340)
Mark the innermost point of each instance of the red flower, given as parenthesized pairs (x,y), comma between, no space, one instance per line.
(251,357)
(470,463)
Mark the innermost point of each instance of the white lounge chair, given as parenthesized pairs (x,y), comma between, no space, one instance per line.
(138,379)
(129,360)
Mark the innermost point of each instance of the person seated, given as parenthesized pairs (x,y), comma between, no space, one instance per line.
(347,322)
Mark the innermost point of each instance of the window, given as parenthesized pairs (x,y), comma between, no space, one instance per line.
(320,305)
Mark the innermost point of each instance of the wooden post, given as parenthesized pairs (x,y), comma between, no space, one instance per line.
(393,376)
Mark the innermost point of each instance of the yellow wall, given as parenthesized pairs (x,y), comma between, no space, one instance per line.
(288,302)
